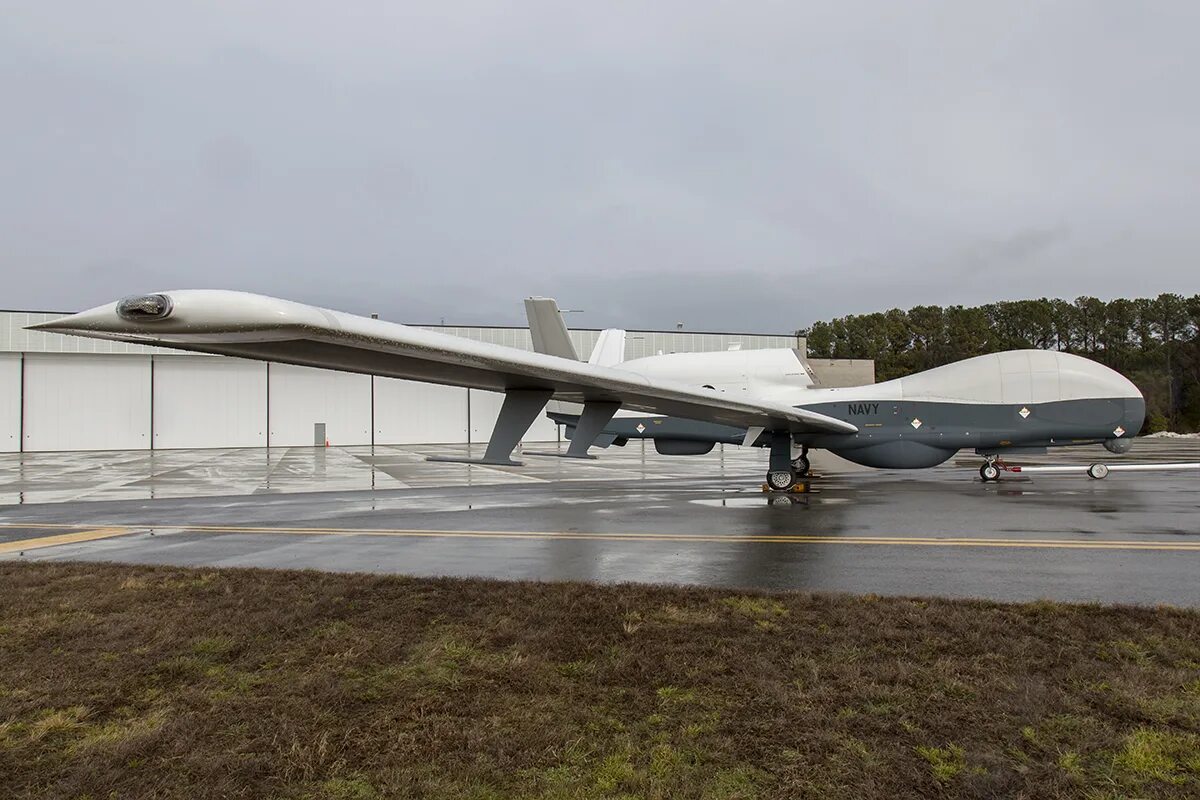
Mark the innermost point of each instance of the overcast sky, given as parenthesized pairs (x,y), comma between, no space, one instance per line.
(747,166)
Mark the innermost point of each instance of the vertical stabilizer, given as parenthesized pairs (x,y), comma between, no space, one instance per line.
(550,335)
(610,348)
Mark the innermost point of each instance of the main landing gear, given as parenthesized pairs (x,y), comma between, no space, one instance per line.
(800,465)
(780,479)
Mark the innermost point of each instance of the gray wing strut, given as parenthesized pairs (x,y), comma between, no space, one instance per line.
(596,415)
(520,409)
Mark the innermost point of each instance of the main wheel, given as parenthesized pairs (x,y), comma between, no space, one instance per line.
(989,472)
(800,466)
(781,480)
(1098,471)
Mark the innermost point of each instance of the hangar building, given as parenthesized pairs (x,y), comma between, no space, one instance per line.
(69,393)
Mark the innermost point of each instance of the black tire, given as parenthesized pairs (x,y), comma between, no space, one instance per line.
(1098,472)
(989,472)
(801,466)
(781,480)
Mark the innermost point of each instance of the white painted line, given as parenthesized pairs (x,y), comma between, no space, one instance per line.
(1111,467)
(1147,467)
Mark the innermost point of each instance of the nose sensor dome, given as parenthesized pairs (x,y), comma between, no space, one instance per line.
(144,307)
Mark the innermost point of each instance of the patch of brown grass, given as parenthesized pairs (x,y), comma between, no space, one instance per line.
(160,682)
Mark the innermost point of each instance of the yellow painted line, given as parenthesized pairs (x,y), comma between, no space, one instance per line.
(910,541)
(687,537)
(63,538)
(714,539)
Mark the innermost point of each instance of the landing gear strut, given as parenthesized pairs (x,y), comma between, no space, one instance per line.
(784,470)
(993,466)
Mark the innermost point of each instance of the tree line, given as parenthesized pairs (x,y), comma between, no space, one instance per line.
(1155,342)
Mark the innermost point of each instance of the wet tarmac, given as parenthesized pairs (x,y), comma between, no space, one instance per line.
(628,516)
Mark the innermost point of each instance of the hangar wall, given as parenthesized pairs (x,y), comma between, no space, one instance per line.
(202,399)
(302,398)
(10,402)
(408,412)
(834,373)
(86,402)
(68,393)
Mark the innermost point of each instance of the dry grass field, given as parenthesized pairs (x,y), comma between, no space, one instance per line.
(136,682)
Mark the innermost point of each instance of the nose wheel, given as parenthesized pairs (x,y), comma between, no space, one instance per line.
(992,467)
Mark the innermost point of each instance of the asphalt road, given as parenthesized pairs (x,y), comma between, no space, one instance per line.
(1132,538)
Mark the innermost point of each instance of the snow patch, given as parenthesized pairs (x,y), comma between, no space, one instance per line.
(1171,435)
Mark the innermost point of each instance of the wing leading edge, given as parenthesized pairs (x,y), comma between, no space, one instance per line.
(270,329)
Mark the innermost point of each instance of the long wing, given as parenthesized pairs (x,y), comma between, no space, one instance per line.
(270,329)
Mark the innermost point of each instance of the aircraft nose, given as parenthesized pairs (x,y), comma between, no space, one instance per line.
(1082,378)
(1117,386)
(1135,415)
(100,318)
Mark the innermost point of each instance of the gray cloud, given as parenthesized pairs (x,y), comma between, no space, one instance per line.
(748,168)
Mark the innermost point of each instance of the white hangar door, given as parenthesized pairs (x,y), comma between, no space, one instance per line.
(10,403)
(87,402)
(307,404)
(408,412)
(209,401)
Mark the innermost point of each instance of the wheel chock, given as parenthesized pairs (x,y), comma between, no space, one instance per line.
(799,487)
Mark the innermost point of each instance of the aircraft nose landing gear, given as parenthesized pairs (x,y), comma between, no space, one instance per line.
(989,472)
(992,467)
